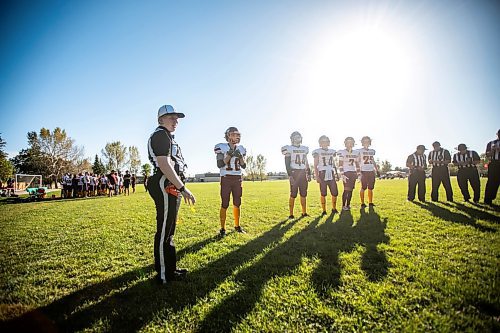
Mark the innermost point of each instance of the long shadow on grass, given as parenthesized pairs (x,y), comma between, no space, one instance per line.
(478,213)
(59,314)
(134,306)
(454,217)
(324,241)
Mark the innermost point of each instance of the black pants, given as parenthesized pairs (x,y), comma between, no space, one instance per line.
(440,175)
(417,177)
(493,182)
(167,206)
(466,175)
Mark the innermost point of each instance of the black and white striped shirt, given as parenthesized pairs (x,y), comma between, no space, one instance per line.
(439,157)
(417,160)
(492,149)
(470,156)
(161,143)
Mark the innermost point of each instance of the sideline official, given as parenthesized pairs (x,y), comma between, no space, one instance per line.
(439,158)
(417,164)
(467,161)
(493,153)
(166,186)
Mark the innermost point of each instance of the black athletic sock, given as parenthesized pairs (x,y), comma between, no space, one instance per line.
(344,198)
(348,198)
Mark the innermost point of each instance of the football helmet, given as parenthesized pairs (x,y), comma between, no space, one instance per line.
(296,138)
(349,140)
(324,138)
(232,135)
(366,139)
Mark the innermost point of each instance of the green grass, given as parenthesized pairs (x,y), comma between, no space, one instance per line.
(86,265)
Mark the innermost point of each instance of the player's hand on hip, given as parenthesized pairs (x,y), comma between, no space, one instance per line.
(188,197)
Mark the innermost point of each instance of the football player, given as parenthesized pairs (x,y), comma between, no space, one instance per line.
(298,170)
(324,167)
(368,171)
(349,170)
(230,161)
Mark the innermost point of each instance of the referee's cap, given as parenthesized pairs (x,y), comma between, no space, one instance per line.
(461,146)
(421,147)
(169,109)
(436,143)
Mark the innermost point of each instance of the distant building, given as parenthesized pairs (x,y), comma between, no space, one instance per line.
(207,177)
(277,175)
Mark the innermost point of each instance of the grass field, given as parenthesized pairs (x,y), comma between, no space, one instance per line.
(86,265)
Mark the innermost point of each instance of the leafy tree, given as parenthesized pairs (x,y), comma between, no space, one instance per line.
(98,167)
(385,166)
(31,160)
(146,170)
(260,166)
(6,167)
(59,151)
(115,154)
(3,154)
(251,167)
(134,159)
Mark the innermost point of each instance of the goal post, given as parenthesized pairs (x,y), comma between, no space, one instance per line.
(24,181)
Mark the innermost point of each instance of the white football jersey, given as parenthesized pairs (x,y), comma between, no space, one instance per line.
(234,167)
(326,158)
(367,159)
(298,156)
(349,159)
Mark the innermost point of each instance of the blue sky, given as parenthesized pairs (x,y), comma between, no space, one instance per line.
(403,72)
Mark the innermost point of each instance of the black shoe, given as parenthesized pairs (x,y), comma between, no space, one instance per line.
(222,232)
(240,230)
(363,206)
(334,211)
(324,213)
(181,271)
(305,215)
(291,217)
(371,204)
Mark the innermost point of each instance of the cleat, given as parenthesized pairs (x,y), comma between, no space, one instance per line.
(334,211)
(222,232)
(240,230)
(324,213)
(181,271)
(291,217)
(346,208)
(371,204)
(363,206)
(305,215)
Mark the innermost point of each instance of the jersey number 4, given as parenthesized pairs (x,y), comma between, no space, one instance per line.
(330,161)
(298,161)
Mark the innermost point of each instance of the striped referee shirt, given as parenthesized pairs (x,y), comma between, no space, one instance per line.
(470,156)
(416,160)
(491,150)
(439,157)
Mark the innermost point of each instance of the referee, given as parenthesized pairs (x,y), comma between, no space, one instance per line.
(493,153)
(467,161)
(439,158)
(166,187)
(417,164)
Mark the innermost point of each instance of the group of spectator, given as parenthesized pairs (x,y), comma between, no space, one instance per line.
(87,184)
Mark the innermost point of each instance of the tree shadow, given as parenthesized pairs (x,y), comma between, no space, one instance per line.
(454,217)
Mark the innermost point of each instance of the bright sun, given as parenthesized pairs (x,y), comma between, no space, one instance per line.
(363,70)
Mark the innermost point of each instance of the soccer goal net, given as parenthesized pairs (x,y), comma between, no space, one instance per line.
(24,181)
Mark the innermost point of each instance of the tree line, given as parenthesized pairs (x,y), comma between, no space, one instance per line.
(54,153)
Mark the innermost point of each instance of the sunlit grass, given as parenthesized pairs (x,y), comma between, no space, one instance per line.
(86,264)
